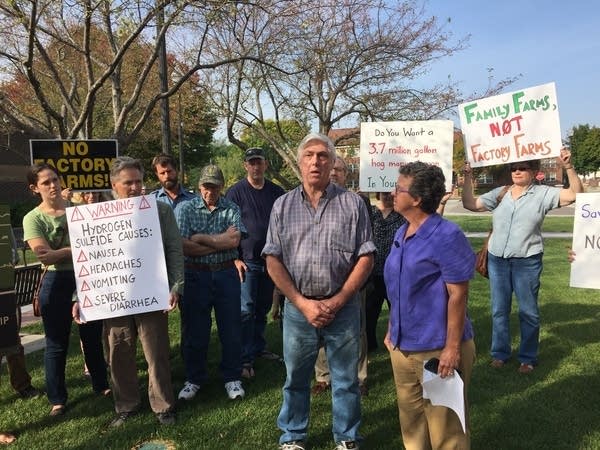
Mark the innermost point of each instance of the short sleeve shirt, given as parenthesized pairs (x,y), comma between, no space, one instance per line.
(517,223)
(37,224)
(415,273)
(256,205)
(319,247)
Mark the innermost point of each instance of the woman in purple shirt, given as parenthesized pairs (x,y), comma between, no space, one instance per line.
(427,277)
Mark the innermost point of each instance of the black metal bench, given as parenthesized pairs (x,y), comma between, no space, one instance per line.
(27,279)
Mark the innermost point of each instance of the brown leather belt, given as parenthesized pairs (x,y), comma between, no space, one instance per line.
(210,267)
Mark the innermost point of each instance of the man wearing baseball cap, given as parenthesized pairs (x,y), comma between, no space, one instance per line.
(211,228)
(255,196)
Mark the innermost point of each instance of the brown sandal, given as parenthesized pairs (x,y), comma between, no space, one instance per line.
(497,363)
(525,368)
(58,410)
(7,438)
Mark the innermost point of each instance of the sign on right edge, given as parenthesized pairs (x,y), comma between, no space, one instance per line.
(586,242)
(517,126)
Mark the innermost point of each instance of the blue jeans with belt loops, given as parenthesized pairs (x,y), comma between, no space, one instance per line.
(203,291)
(256,301)
(521,276)
(300,348)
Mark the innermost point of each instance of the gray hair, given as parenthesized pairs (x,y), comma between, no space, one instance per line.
(124,162)
(316,137)
(339,158)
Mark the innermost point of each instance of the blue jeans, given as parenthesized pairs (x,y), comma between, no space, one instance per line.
(204,291)
(300,347)
(521,275)
(256,298)
(55,300)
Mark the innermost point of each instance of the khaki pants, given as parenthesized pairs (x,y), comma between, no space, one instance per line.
(152,330)
(424,426)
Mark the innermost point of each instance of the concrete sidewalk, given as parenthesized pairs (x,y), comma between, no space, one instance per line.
(454,207)
(545,234)
(31,342)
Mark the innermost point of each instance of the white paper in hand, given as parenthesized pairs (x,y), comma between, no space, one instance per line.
(448,392)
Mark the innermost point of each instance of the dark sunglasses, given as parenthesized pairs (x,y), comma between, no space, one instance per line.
(519,168)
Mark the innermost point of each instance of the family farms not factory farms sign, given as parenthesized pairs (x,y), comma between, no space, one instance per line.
(517,126)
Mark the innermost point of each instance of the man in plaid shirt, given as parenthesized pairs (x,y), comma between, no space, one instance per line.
(211,228)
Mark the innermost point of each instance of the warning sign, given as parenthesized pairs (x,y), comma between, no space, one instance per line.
(119,258)
(82,165)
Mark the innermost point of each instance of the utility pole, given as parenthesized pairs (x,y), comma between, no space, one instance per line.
(180,131)
(165,122)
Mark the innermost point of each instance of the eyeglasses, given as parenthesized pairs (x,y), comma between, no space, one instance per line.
(519,168)
(399,190)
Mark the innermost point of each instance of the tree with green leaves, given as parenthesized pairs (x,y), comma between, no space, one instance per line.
(291,131)
(90,68)
(584,142)
(339,63)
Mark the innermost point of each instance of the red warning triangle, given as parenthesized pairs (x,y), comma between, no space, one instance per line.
(83,272)
(85,286)
(86,302)
(81,257)
(144,203)
(76,216)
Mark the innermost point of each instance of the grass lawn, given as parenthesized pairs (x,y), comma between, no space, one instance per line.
(555,407)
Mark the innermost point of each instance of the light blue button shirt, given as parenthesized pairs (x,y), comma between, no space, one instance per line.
(517,223)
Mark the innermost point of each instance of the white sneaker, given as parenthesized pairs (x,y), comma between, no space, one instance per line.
(234,389)
(189,391)
(347,445)
(292,445)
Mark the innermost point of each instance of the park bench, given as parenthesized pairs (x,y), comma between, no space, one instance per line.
(27,278)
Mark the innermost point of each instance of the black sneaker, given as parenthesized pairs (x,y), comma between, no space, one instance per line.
(121,419)
(166,418)
(30,392)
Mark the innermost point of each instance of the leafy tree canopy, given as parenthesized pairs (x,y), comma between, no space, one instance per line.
(584,142)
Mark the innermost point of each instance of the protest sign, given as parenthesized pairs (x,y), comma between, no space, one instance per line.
(387,146)
(82,164)
(517,126)
(586,241)
(118,258)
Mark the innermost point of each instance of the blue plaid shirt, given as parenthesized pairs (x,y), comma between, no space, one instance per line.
(319,247)
(183,195)
(194,217)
